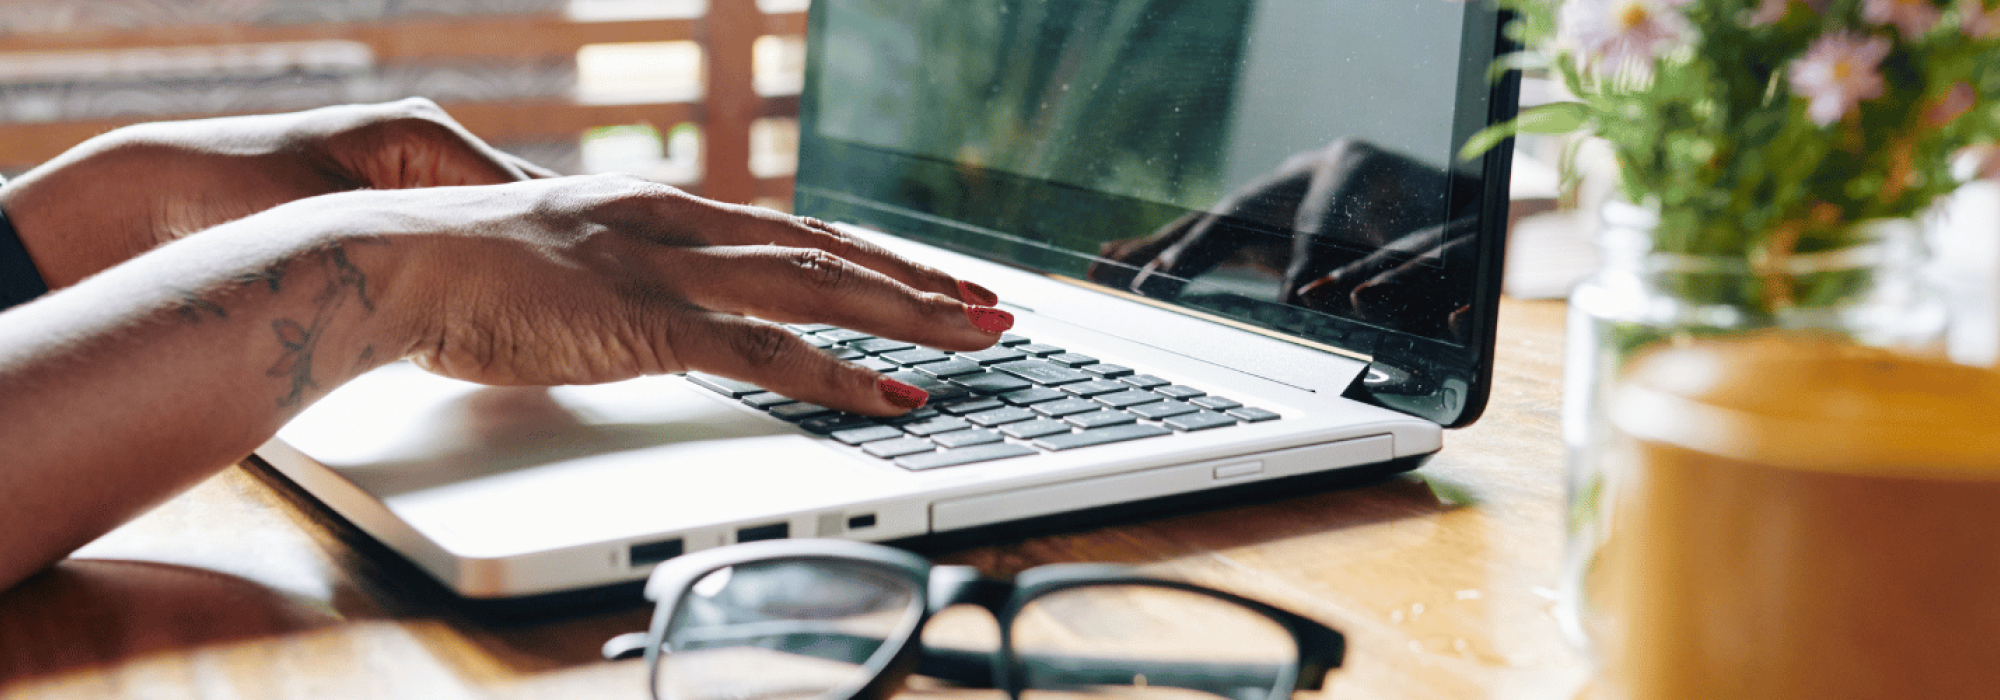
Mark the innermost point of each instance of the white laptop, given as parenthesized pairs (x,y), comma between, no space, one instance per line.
(1235,234)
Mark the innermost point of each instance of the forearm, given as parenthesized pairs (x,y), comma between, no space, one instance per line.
(120,391)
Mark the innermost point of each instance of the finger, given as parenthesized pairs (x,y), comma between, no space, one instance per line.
(529,168)
(737,225)
(809,285)
(771,357)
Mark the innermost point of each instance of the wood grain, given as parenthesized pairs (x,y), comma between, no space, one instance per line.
(1443,580)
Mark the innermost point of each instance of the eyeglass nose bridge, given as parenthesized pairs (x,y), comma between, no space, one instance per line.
(964,585)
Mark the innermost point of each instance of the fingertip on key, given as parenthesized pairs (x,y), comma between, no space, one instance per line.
(902,395)
(989,319)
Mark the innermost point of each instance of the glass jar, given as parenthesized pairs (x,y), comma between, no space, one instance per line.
(1871,293)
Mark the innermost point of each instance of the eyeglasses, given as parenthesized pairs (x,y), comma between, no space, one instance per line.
(833,619)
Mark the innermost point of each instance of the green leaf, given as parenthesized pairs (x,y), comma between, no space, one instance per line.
(1552,118)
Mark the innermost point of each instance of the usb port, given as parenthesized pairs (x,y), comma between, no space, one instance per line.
(773,531)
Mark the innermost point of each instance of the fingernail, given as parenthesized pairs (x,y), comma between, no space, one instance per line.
(989,319)
(976,295)
(902,395)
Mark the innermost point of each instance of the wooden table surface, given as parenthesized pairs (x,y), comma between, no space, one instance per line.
(1443,579)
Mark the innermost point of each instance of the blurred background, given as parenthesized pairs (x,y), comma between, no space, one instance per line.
(702,94)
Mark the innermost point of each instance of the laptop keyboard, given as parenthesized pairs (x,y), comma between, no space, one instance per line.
(1017,398)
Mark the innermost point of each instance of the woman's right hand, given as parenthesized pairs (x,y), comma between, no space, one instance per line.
(596,279)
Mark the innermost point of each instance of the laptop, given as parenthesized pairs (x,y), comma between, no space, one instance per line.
(1236,235)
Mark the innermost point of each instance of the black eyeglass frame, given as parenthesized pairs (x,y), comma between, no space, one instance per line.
(1320,648)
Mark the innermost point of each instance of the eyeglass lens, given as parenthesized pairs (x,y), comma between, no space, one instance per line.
(784,629)
(1137,641)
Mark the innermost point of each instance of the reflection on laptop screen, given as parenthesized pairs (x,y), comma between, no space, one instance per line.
(1286,164)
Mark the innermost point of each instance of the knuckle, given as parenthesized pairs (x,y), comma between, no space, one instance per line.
(823,271)
(764,346)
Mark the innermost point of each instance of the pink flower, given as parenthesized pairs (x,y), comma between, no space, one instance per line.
(1837,73)
(1952,105)
(1770,11)
(1979,22)
(1617,31)
(1912,17)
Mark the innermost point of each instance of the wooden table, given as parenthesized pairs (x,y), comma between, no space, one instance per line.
(1443,580)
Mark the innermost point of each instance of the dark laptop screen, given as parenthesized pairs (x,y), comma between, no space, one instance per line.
(1287,165)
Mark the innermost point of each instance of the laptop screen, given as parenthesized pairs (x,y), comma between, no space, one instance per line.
(1285,165)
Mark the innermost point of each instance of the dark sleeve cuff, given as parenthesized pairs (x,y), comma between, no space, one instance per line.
(20,282)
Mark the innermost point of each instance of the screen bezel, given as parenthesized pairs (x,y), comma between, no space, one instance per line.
(1444,382)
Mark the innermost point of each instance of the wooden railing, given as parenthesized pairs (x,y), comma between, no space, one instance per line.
(514,76)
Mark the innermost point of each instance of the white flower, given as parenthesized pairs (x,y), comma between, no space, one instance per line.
(1912,17)
(1837,72)
(1617,31)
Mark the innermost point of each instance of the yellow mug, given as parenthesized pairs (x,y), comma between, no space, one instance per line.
(1796,517)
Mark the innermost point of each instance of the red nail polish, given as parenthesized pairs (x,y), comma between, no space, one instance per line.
(902,395)
(976,295)
(989,319)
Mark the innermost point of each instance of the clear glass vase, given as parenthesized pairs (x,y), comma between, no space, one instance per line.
(1871,293)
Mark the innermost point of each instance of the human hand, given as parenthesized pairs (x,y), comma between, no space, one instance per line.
(132,189)
(1344,229)
(596,279)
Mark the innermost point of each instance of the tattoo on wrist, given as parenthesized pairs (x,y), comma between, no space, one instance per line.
(300,341)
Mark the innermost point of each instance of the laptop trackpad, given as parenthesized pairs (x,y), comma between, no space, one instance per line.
(438,448)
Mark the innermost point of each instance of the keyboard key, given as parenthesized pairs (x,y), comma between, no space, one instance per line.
(846,353)
(816,341)
(965,438)
(916,416)
(891,449)
(1071,359)
(877,346)
(1129,397)
(1215,403)
(1042,373)
(809,327)
(1107,371)
(724,386)
(796,412)
(1035,395)
(1065,407)
(1199,420)
(856,436)
(1029,430)
(823,425)
(940,390)
(964,455)
(1101,419)
(1038,349)
(842,335)
(765,399)
(1163,409)
(994,355)
(1145,381)
(878,364)
(1002,416)
(1252,415)
(970,405)
(1101,436)
(951,368)
(1095,387)
(1176,391)
(1011,340)
(915,356)
(990,382)
(934,426)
